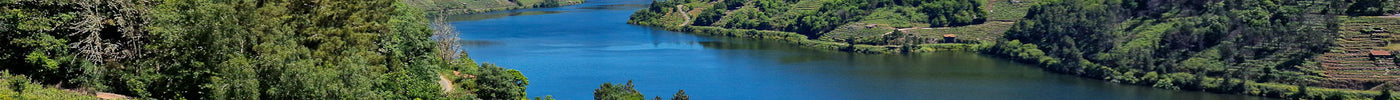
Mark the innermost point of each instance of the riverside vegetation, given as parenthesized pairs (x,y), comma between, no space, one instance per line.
(456,7)
(241,49)
(1268,48)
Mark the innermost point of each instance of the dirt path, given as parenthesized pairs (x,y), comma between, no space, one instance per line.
(111,96)
(445,84)
(685,14)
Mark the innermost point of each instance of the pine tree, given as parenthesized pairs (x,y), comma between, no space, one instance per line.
(680,95)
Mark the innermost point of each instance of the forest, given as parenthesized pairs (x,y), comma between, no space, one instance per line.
(869,26)
(1271,48)
(801,17)
(1188,45)
(240,49)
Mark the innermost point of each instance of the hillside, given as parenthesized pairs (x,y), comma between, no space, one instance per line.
(873,26)
(1265,48)
(180,49)
(361,49)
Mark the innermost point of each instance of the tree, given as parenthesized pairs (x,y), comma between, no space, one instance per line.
(608,91)
(1385,94)
(680,95)
(1372,8)
(954,12)
(498,83)
(708,17)
(1302,92)
(548,3)
(546,97)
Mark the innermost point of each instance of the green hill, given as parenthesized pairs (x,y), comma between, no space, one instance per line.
(876,26)
(1266,48)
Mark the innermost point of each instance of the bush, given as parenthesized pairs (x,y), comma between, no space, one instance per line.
(1373,7)
(955,12)
(609,91)
(708,17)
(497,83)
(19,87)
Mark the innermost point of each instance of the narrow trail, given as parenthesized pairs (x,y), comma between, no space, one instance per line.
(683,13)
(445,84)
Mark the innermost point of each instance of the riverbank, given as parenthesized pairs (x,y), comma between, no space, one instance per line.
(799,39)
(887,30)
(1126,57)
(1180,80)
(1175,81)
(460,7)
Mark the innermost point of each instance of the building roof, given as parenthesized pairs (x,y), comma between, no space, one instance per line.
(949,35)
(1380,52)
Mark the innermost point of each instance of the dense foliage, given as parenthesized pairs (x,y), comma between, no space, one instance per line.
(955,12)
(183,49)
(809,17)
(1189,45)
(708,17)
(211,49)
(609,91)
(498,83)
(1267,48)
(20,87)
(1374,7)
(1253,40)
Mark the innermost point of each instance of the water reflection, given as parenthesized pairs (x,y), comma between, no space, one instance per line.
(493,15)
(569,53)
(615,6)
(476,43)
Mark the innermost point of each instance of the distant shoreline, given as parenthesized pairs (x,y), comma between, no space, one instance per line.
(468,11)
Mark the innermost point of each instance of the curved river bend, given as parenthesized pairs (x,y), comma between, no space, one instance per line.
(569,51)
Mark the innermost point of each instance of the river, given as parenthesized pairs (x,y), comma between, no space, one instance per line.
(567,52)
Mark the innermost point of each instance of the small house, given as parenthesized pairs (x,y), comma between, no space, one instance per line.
(950,38)
(1381,53)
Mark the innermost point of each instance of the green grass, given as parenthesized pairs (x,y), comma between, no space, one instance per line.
(858,33)
(1005,10)
(897,17)
(20,87)
(981,32)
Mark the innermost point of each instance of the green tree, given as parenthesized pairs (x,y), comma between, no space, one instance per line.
(1372,8)
(498,83)
(680,95)
(1385,95)
(1302,93)
(609,91)
(955,12)
(708,17)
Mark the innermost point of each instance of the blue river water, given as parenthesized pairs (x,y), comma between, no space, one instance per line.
(567,52)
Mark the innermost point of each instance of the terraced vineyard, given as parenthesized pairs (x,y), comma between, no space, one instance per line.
(1362,51)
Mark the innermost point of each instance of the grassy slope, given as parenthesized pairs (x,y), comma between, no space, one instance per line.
(19,87)
(866,39)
